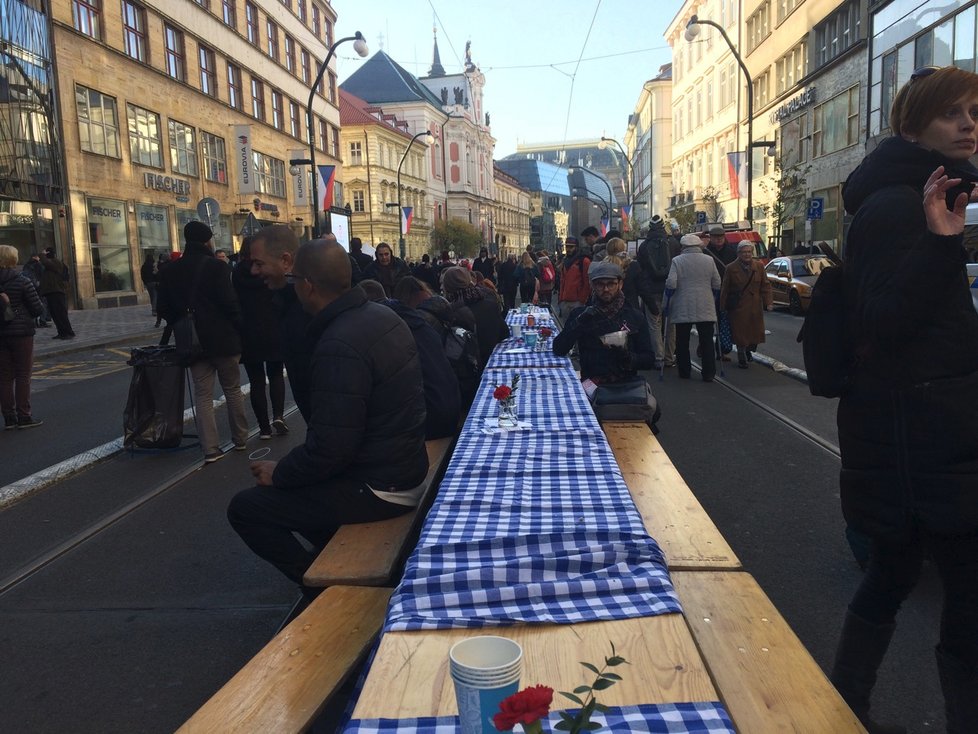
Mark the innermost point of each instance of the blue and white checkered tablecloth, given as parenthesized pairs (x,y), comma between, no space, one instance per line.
(503,358)
(707,717)
(542,316)
(549,400)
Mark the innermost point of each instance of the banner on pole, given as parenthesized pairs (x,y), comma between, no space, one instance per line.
(407,215)
(246,161)
(604,226)
(327,182)
(300,181)
(737,173)
(626,213)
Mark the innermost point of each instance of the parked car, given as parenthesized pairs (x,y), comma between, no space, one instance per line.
(792,278)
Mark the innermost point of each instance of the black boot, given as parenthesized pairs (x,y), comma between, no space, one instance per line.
(861,650)
(742,358)
(960,686)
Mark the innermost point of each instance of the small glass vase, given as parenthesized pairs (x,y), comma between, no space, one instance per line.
(507,414)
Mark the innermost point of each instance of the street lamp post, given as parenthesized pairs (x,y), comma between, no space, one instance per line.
(631,171)
(400,211)
(692,31)
(360,46)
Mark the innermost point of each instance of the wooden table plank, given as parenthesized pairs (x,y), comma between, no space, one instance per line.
(670,511)
(409,676)
(766,678)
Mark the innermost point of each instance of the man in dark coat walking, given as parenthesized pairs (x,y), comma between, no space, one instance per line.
(54,290)
(201,282)
(364,455)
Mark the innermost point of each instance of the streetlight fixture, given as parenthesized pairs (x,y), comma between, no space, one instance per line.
(631,170)
(692,31)
(602,179)
(429,138)
(360,46)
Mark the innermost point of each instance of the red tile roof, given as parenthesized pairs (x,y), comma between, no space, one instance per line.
(354,111)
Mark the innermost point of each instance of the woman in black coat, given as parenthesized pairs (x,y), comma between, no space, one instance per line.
(17,342)
(261,345)
(908,424)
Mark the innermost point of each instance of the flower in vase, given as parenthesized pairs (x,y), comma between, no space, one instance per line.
(503,392)
(526,707)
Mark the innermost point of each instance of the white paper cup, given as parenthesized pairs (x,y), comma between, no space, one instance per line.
(485,671)
(517,330)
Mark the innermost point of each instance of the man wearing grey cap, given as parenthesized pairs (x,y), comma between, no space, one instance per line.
(613,358)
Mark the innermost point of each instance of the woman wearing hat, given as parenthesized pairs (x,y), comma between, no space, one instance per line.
(745,295)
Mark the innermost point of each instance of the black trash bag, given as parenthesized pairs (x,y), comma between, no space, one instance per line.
(153,418)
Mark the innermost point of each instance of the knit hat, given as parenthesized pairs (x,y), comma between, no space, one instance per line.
(456,278)
(197,232)
(603,269)
(689,240)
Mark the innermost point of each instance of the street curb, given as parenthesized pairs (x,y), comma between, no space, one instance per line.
(781,367)
(86,347)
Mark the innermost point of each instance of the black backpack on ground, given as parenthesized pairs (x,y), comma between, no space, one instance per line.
(825,343)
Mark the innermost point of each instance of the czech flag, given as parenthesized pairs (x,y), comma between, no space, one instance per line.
(737,174)
(604,226)
(327,182)
(407,214)
(626,212)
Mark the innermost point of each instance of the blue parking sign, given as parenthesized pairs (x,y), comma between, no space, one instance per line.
(816,206)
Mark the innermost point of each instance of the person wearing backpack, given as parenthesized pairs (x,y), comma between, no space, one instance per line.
(907,418)
(19,306)
(655,255)
(54,290)
(545,284)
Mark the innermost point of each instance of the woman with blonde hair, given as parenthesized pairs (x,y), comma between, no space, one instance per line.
(18,301)
(528,277)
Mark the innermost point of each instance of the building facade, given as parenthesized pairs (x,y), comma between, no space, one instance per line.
(205,100)
(509,215)
(648,143)
(374,144)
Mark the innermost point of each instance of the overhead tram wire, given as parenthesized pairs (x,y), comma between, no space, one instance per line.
(445,32)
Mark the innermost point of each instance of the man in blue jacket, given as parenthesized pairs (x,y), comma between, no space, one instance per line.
(364,455)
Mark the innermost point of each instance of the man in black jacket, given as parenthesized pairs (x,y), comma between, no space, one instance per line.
(364,456)
(200,281)
(475,311)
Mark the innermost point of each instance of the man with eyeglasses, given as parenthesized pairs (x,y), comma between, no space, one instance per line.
(617,357)
(364,456)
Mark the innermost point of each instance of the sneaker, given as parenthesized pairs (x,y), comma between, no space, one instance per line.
(266,434)
(211,458)
(240,447)
(9,422)
(28,423)
(280,427)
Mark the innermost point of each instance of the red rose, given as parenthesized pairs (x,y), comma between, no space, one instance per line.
(546,333)
(502,392)
(529,705)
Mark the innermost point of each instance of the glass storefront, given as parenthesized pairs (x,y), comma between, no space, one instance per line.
(153,224)
(27,227)
(108,236)
(222,233)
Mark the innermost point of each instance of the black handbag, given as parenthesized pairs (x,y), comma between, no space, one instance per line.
(185,336)
(626,401)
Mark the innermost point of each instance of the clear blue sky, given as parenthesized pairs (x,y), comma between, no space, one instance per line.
(515,43)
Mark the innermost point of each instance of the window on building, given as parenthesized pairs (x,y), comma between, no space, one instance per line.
(229,12)
(86,15)
(269,175)
(290,53)
(305,67)
(176,58)
(334,141)
(134,30)
(322,141)
(836,123)
(108,235)
(722,101)
(145,143)
(838,32)
(278,111)
(317,20)
(205,4)
(332,88)
(295,120)
(251,19)
(790,69)
(257,99)
(183,148)
(208,71)
(286,3)
(786,7)
(235,94)
(271,37)
(758,25)
(215,157)
(328,29)
(358,201)
(356,152)
(98,122)
(762,90)
(302,11)
(733,79)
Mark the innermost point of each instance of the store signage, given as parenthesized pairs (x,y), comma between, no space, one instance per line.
(100,211)
(166,183)
(261,206)
(246,165)
(789,108)
(300,180)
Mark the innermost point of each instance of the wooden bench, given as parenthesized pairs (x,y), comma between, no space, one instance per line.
(765,676)
(286,685)
(670,511)
(369,554)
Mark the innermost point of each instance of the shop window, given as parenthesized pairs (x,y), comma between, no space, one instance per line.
(145,144)
(208,71)
(183,148)
(98,122)
(86,15)
(176,58)
(215,158)
(153,230)
(108,237)
(269,175)
(134,30)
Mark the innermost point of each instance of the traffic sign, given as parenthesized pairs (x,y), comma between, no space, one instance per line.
(701,217)
(251,226)
(816,207)
(209,211)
